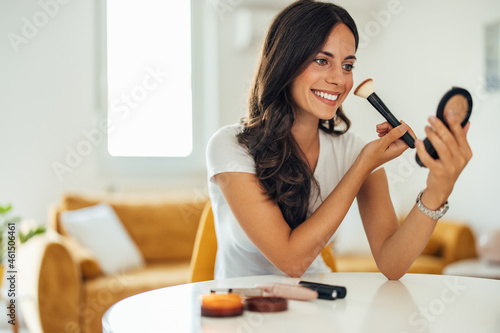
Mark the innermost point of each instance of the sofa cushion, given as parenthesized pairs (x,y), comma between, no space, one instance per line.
(102,292)
(161,227)
(100,230)
(424,264)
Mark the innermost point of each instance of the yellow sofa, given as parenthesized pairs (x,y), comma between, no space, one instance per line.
(70,293)
(451,241)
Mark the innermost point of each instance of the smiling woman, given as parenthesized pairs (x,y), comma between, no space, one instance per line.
(281,181)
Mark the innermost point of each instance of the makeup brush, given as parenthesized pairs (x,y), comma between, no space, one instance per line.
(365,90)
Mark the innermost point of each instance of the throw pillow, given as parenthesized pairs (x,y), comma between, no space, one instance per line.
(100,230)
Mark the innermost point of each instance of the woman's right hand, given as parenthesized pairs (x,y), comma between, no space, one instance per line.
(388,147)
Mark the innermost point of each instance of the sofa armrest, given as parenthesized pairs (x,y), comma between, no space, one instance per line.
(83,258)
(452,241)
(50,285)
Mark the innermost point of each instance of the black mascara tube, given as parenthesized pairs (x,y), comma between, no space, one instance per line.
(325,291)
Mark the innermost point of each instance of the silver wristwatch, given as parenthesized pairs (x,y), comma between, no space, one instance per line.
(433,214)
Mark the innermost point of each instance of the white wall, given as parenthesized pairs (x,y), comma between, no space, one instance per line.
(48,95)
(48,99)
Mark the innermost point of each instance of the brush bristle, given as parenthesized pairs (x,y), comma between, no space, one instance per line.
(365,89)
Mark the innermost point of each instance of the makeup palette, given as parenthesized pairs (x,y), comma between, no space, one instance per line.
(221,305)
(267,304)
(457,101)
(267,297)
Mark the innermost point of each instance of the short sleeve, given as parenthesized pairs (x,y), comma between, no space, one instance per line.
(353,145)
(225,154)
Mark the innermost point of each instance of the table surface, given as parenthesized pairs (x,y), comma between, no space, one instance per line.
(415,303)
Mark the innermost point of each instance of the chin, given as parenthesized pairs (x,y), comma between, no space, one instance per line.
(327,115)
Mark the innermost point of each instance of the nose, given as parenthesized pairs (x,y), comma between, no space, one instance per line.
(335,75)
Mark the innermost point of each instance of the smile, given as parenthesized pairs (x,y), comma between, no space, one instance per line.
(329,97)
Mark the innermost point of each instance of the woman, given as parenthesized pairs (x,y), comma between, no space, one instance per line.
(283,180)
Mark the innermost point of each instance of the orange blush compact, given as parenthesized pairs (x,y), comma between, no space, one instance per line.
(221,305)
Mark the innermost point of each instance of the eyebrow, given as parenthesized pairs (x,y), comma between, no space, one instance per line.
(331,55)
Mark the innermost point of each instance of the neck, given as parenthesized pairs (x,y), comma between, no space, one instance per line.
(305,132)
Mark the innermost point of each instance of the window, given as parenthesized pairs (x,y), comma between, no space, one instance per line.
(492,54)
(149,96)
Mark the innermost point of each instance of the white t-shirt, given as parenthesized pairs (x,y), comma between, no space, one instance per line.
(236,254)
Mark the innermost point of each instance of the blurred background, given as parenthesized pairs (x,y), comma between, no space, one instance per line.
(53,94)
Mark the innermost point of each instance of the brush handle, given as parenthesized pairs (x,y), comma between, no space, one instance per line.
(393,121)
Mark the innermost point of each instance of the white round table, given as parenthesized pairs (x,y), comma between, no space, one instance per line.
(416,303)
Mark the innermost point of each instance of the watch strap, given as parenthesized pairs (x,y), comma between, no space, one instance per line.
(433,214)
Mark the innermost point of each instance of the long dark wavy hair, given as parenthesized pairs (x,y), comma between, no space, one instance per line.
(295,37)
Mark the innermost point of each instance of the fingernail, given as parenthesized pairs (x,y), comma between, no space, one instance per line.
(403,128)
(432,119)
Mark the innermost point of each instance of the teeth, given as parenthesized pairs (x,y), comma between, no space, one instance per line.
(327,96)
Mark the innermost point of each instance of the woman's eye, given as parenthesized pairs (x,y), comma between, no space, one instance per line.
(348,67)
(321,62)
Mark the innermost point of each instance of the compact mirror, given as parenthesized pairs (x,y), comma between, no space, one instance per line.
(457,100)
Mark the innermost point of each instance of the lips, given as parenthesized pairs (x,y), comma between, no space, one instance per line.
(328,97)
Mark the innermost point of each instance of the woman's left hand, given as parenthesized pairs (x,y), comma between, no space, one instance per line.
(454,154)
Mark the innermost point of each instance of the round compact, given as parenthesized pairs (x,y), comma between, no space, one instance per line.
(457,101)
(221,305)
(266,304)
